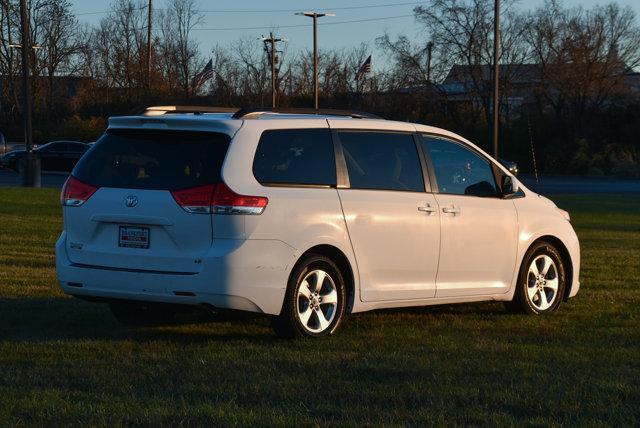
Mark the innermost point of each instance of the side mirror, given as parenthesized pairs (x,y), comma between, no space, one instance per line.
(509,186)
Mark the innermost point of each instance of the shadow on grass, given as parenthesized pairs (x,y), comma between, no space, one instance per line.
(51,319)
(479,308)
(44,319)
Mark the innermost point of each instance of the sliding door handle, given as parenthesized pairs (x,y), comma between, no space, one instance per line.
(451,210)
(427,209)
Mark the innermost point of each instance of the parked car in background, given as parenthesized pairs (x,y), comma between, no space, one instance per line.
(10,159)
(54,156)
(510,165)
(304,216)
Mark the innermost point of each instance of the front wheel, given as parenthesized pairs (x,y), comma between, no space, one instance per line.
(315,300)
(541,281)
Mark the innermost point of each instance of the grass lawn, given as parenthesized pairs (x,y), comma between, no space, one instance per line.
(64,361)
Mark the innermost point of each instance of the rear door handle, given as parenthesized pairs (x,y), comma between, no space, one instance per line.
(427,209)
(451,210)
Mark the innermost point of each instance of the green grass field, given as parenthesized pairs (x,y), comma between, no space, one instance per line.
(64,361)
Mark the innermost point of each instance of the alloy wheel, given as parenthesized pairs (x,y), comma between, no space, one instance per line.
(542,282)
(317,301)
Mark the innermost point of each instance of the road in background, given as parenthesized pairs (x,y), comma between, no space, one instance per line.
(563,184)
(49,179)
(546,185)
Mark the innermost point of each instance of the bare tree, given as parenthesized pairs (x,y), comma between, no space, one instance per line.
(410,62)
(119,44)
(462,34)
(584,55)
(179,50)
(60,43)
(9,61)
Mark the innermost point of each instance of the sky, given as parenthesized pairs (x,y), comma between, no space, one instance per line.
(231,20)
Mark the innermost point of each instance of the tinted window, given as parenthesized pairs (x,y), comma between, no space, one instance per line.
(52,148)
(459,170)
(295,156)
(75,147)
(142,159)
(382,160)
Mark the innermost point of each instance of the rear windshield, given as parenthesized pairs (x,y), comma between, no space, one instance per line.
(154,160)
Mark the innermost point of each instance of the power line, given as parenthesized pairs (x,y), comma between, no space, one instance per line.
(370,6)
(102,12)
(322,8)
(384,18)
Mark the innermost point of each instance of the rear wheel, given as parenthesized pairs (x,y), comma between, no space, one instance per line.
(541,281)
(142,313)
(315,300)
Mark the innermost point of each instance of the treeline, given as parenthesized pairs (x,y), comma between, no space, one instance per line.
(576,104)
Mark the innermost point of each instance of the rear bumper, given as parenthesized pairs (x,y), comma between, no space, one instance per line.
(248,275)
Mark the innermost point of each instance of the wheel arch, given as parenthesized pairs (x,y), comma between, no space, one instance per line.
(340,259)
(566,258)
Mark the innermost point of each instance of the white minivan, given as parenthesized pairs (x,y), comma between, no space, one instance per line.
(304,215)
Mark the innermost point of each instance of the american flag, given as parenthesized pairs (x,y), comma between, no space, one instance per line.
(202,77)
(364,69)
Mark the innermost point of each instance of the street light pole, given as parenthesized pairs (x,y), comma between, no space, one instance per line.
(496,76)
(429,54)
(30,167)
(315,17)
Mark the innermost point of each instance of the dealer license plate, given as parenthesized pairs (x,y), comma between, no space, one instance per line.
(133,237)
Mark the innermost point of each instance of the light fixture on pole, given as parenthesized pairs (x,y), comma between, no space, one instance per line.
(270,47)
(315,16)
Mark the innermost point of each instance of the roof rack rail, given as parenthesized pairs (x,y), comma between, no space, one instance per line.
(248,112)
(162,110)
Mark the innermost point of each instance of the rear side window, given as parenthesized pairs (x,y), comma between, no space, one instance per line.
(155,160)
(382,160)
(295,156)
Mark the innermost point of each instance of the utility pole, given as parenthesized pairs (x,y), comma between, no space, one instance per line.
(496,76)
(270,47)
(429,53)
(315,16)
(30,167)
(149,27)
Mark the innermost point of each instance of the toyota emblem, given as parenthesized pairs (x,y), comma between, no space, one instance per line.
(131,201)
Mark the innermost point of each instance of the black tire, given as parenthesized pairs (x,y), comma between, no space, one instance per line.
(132,313)
(288,324)
(528,282)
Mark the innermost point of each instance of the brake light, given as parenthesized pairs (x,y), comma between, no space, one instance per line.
(75,192)
(195,199)
(226,201)
(218,199)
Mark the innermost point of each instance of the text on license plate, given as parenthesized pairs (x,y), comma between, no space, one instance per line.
(133,237)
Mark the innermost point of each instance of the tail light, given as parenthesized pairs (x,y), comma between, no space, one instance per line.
(218,199)
(195,199)
(226,201)
(75,192)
